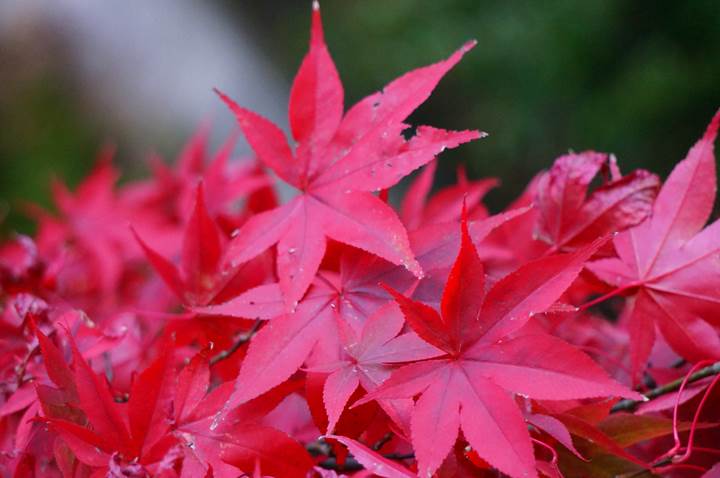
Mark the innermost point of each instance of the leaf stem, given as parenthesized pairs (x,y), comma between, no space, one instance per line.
(607,296)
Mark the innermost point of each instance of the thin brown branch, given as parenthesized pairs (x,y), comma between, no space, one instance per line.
(320,447)
(124,398)
(382,441)
(631,405)
(239,342)
(351,464)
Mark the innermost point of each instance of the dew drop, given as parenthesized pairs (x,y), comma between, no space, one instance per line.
(216,421)
(235,233)
(291,250)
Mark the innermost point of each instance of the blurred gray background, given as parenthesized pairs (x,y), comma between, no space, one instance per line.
(640,79)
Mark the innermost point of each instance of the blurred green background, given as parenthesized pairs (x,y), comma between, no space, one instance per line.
(640,79)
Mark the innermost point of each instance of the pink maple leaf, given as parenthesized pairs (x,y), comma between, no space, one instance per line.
(338,162)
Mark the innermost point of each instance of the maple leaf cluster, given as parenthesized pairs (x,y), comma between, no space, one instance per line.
(191,325)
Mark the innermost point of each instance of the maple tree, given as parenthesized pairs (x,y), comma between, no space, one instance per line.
(225,333)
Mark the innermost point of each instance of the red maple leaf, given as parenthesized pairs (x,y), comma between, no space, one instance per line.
(337,164)
(444,206)
(437,245)
(281,347)
(487,357)
(201,277)
(172,190)
(570,216)
(91,237)
(668,264)
(167,419)
(91,220)
(351,296)
(367,357)
(243,441)
(100,432)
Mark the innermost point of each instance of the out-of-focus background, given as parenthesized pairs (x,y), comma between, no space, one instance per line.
(640,79)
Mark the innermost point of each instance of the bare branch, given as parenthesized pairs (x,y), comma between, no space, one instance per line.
(242,339)
(382,441)
(631,405)
(351,464)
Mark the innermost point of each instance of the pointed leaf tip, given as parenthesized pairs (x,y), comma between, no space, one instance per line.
(226,99)
(712,129)
(469,45)
(466,242)
(464,218)
(316,29)
(199,192)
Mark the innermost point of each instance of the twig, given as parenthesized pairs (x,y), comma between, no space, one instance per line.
(382,441)
(630,405)
(351,464)
(319,447)
(638,473)
(624,405)
(124,398)
(242,339)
